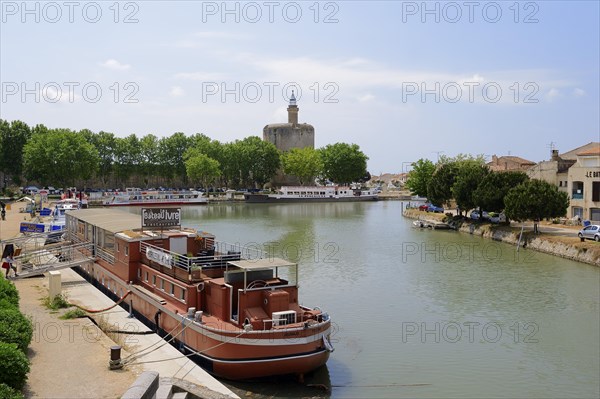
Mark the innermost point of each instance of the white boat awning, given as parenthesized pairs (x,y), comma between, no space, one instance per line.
(266,263)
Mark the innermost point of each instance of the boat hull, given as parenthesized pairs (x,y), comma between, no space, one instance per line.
(265,198)
(155,203)
(223,350)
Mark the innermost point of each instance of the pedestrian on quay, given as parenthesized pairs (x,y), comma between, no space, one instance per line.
(9,264)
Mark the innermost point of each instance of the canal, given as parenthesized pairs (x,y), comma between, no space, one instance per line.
(421,313)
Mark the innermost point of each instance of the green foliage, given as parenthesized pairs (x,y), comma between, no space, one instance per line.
(343,163)
(170,155)
(15,328)
(255,160)
(469,175)
(535,200)
(420,176)
(8,293)
(200,167)
(439,188)
(13,137)
(58,302)
(304,163)
(106,145)
(490,193)
(15,366)
(73,314)
(479,159)
(7,392)
(60,155)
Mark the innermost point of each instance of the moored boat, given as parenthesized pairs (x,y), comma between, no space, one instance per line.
(51,220)
(136,197)
(313,194)
(233,309)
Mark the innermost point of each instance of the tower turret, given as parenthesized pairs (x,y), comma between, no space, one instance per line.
(293,110)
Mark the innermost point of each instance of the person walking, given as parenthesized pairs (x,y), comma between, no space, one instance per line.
(10,265)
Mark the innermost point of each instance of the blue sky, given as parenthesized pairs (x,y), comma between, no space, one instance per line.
(403,80)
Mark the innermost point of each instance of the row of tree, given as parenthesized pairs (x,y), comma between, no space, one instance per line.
(470,182)
(65,157)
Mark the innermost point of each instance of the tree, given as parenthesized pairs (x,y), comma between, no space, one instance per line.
(304,163)
(343,163)
(106,145)
(148,157)
(468,177)
(200,167)
(257,160)
(492,190)
(61,156)
(127,157)
(171,150)
(420,176)
(534,200)
(439,188)
(13,138)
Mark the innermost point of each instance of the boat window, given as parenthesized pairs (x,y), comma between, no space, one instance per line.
(117,247)
(126,250)
(182,297)
(162,284)
(172,289)
(139,274)
(154,280)
(146,276)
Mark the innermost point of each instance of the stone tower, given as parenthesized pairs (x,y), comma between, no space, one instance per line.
(289,135)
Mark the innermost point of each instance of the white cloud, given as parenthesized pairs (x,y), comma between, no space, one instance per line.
(201,76)
(220,35)
(115,65)
(577,92)
(365,98)
(552,95)
(176,91)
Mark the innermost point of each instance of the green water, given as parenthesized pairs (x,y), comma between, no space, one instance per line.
(422,313)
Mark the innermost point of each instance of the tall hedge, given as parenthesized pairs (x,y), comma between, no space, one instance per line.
(15,328)
(15,366)
(7,392)
(8,292)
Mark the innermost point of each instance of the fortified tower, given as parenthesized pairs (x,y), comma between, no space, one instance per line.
(289,135)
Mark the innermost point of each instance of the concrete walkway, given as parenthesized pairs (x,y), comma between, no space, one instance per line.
(80,292)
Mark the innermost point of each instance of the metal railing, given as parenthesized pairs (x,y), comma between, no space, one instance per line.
(42,260)
(221,254)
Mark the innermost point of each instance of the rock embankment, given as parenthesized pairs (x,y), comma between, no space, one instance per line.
(553,244)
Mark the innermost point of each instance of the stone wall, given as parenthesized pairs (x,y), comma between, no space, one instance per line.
(581,253)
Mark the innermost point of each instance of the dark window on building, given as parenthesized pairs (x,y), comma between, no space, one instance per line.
(596,191)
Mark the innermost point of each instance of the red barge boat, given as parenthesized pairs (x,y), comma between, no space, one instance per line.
(234,309)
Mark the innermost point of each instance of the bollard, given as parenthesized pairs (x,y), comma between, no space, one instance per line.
(54,284)
(115,358)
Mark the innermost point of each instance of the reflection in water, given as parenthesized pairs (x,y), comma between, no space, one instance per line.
(419,313)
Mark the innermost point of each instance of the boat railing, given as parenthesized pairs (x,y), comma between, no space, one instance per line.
(105,255)
(181,266)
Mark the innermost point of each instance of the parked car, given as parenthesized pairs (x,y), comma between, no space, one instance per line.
(475,215)
(31,190)
(434,208)
(496,217)
(423,207)
(591,232)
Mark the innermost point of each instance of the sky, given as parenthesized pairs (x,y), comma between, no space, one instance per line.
(404,80)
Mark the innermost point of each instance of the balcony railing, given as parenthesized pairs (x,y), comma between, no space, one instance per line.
(189,268)
(577,196)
